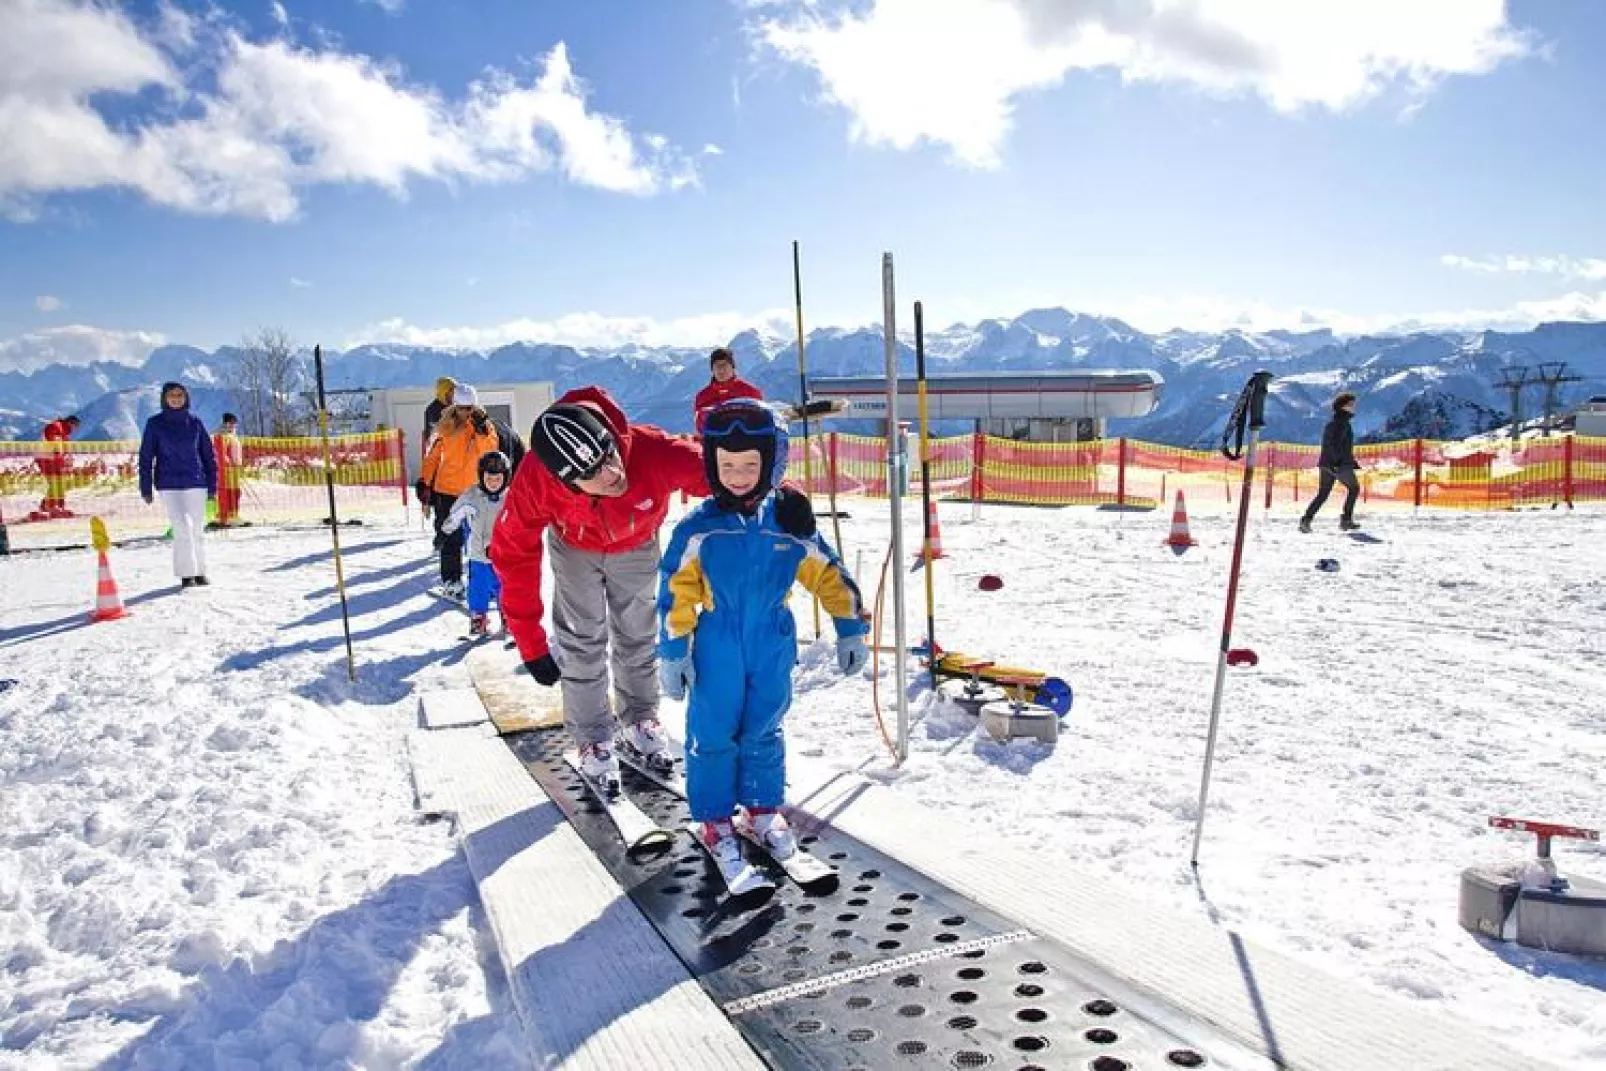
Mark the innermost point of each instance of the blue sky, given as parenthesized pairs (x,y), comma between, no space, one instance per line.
(470,172)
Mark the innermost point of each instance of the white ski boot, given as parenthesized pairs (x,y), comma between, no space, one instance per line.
(646,741)
(741,877)
(769,829)
(599,766)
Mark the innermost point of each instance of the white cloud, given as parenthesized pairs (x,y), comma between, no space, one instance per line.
(582,330)
(909,71)
(1591,268)
(48,303)
(391,7)
(712,150)
(244,126)
(280,15)
(299,284)
(76,344)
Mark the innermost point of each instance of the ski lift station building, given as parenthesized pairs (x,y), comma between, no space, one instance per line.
(1591,417)
(1031,406)
(515,404)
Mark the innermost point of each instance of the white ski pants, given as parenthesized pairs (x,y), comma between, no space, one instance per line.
(187,510)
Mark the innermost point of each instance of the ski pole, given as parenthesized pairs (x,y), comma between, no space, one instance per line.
(334,517)
(925,491)
(803,404)
(1251,404)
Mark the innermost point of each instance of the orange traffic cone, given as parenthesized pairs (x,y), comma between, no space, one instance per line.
(108,604)
(1179,536)
(934,531)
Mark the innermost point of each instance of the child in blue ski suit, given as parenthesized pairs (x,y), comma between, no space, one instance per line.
(726,633)
(478,507)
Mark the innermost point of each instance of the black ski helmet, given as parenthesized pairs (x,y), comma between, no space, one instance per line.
(572,441)
(744,424)
(495,461)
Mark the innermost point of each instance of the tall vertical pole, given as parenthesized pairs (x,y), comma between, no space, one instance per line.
(334,517)
(1253,406)
(803,404)
(925,491)
(897,465)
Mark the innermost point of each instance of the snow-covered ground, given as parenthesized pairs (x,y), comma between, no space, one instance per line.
(208,845)
(1453,670)
(209,855)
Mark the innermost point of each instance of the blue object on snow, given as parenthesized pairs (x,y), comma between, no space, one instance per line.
(1055,694)
(8,683)
(1328,565)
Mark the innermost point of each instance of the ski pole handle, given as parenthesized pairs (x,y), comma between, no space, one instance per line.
(1259,385)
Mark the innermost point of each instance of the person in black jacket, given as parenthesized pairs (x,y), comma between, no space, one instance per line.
(1337,464)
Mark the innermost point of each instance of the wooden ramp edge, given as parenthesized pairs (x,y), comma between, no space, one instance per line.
(1292,1013)
(595,986)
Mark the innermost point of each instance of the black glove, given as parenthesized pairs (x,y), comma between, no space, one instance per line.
(421,489)
(794,513)
(544,670)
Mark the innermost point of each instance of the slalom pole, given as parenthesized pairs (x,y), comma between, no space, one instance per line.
(803,406)
(897,465)
(1251,404)
(334,517)
(925,491)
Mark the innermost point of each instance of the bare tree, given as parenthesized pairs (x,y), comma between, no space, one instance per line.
(267,379)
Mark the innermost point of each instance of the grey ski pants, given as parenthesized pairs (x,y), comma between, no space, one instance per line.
(603,601)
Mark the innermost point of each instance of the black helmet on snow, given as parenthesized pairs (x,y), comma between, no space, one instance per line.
(495,461)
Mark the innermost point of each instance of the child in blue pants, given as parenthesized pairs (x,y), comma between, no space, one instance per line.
(726,634)
(478,508)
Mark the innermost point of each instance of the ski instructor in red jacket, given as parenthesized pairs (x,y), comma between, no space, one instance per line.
(723,385)
(600,494)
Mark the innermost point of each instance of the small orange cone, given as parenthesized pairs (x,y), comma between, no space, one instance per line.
(934,530)
(108,604)
(1179,526)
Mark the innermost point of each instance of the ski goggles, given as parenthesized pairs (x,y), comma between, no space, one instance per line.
(739,420)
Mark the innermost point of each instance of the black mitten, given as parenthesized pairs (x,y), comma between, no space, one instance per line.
(794,513)
(544,670)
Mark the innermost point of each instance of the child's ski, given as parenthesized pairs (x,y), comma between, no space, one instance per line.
(440,592)
(741,877)
(636,829)
(809,871)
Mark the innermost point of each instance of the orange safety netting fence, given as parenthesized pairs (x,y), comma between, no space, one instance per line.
(1414,472)
(48,489)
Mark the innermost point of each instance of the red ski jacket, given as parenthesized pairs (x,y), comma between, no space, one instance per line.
(657,466)
(717,392)
(54,462)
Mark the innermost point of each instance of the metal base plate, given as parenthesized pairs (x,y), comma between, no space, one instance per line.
(889,970)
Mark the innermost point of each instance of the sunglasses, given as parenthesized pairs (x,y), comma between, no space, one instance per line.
(594,471)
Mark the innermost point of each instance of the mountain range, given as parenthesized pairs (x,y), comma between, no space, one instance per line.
(1435,384)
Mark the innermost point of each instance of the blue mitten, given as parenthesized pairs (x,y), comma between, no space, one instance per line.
(675,676)
(852,654)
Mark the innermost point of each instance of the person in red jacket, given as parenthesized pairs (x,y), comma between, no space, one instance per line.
(723,385)
(53,466)
(600,494)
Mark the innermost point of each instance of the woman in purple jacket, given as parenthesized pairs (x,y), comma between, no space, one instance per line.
(175,457)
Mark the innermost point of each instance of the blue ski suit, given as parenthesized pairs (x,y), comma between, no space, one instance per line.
(723,586)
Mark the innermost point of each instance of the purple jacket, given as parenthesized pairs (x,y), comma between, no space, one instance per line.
(175,453)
